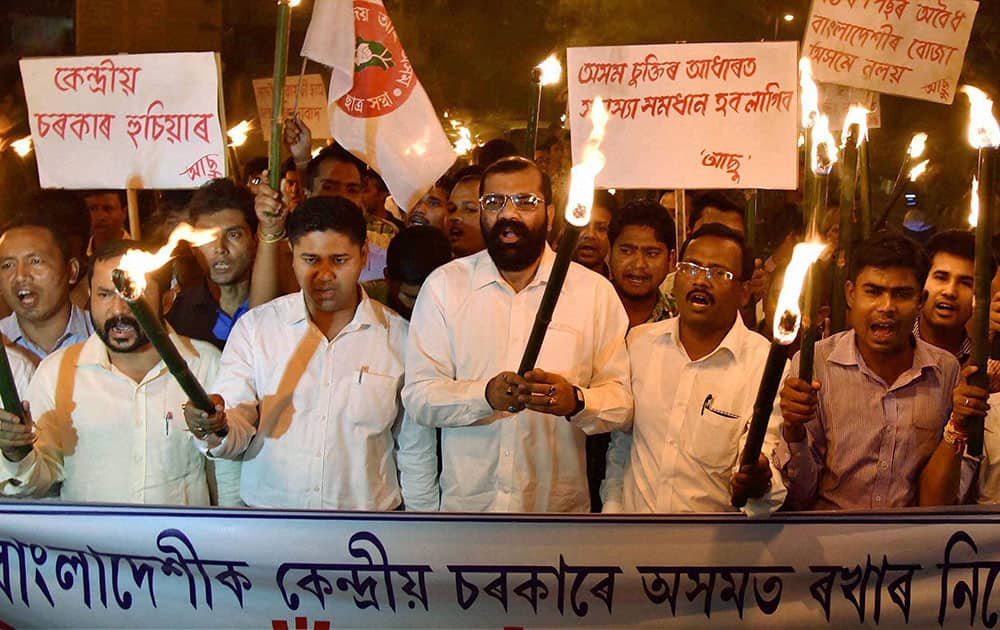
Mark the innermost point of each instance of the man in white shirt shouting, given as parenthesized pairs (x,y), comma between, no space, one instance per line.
(511,442)
(310,385)
(695,379)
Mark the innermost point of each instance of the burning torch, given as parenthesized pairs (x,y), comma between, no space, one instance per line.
(984,135)
(787,321)
(918,144)
(578,207)
(854,134)
(238,136)
(545,73)
(809,105)
(282,31)
(130,281)
(824,156)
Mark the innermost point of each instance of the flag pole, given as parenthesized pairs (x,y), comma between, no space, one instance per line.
(278,89)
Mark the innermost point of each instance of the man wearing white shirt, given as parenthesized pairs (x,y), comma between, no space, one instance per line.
(694,379)
(310,385)
(108,415)
(514,442)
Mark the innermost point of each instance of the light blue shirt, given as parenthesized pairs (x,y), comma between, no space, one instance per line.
(78,328)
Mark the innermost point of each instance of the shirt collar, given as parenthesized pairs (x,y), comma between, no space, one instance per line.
(366,313)
(486,271)
(733,342)
(78,325)
(845,352)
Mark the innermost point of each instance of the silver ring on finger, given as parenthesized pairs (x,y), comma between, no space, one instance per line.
(551,400)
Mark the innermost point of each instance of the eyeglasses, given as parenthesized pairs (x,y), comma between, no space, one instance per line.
(692,270)
(523,202)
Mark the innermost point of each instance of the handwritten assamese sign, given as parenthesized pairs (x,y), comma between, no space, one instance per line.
(690,115)
(126,121)
(912,48)
(311,98)
(76,566)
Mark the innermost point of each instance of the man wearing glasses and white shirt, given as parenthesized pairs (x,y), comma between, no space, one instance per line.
(509,442)
(694,379)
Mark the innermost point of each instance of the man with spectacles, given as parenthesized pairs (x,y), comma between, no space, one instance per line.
(694,379)
(511,442)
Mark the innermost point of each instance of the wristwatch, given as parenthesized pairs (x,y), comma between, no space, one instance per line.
(580,402)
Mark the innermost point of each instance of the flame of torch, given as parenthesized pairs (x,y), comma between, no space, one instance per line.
(238,134)
(856,115)
(583,175)
(974,203)
(787,313)
(809,94)
(917,145)
(983,128)
(23,146)
(137,263)
(549,71)
(824,146)
(464,143)
(918,170)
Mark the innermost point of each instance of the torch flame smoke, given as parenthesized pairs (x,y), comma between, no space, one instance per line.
(583,175)
(238,134)
(917,145)
(856,115)
(983,128)
(824,149)
(918,170)
(974,203)
(550,70)
(809,94)
(787,315)
(137,263)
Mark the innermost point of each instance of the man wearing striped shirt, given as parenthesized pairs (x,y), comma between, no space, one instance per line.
(860,435)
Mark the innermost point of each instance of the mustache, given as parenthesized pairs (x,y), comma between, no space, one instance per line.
(519,229)
(121,320)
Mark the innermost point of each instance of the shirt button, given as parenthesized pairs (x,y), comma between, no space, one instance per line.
(883,465)
(506,453)
(878,499)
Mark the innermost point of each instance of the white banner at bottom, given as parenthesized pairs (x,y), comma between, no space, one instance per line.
(76,566)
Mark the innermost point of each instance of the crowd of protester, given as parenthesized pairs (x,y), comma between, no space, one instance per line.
(361,355)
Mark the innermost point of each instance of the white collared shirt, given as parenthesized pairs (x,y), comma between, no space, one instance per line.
(318,420)
(110,439)
(691,420)
(469,325)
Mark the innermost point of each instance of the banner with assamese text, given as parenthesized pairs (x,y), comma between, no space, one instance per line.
(125,121)
(67,566)
(690,115)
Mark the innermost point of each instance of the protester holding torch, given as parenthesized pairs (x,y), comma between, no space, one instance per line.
(109,416)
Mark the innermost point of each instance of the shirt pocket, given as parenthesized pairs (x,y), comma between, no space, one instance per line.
(715,438)
(372,401)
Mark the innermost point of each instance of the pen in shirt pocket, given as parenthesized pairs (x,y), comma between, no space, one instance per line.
(362,372)
(166,423)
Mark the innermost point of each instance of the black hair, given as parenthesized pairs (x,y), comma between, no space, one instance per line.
(25,220)
(415,252)
(288,166)
(114,249)
(370,175)
(336,153)
(516,164)
(888,250)
(646,214)
(223,194)
(713,199)
(254,167)
(473,173)
(495,149)
(721,231)
(106,191)
(319,214)
(960,243)
(606,200)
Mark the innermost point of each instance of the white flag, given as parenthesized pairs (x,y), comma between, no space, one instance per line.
(378,109)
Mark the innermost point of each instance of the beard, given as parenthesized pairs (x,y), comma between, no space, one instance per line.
(515,256)
(123,321)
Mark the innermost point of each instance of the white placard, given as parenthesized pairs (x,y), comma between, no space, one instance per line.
(690,115)
(836,100)
(311,99)
(912,48)
(125,121)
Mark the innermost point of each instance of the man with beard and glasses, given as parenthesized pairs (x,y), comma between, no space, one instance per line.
(107,414)
(514,442)
(209,310)
(310,382)
(694,379)
(860,435)
(37,273)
